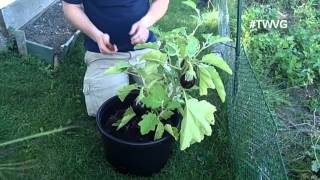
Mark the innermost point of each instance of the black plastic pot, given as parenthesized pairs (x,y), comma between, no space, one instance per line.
(139,158)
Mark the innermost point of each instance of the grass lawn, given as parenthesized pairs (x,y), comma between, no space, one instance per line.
(35,99)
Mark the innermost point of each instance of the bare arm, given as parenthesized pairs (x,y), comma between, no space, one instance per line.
(140,30)
(157,10)
(79,19)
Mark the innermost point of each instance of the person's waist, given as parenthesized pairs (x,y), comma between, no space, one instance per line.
(97,56)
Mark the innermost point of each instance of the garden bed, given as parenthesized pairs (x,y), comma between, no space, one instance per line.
(49,36)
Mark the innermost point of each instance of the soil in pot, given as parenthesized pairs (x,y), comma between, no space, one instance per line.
(130,132)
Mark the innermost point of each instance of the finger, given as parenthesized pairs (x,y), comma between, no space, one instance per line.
(138,41)
(106,42)
(104,50)
(115,48)
(134,29)
(135,38)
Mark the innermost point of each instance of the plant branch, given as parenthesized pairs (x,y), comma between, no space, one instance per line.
(37,135)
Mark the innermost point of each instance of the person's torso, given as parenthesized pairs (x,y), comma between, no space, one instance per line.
(115,17)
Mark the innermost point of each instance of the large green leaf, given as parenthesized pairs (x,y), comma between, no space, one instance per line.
(125,90)
(156,97)
(171,48)
(193,46)
(151,67)
(182,44)
(218,83)
(149,45)
(148,123)
(217,61)
(159,131)
(205,80)
(154,56)
(197,120)
(173,105)
(128,115)
(166,114)
(213,40)
(179,31)
(118,68)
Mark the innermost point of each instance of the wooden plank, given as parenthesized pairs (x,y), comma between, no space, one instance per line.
(44,52)
(69,44)
(21,42)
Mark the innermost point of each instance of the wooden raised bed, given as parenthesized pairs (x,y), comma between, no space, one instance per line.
(48,36)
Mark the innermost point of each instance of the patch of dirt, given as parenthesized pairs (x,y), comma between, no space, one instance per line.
(130,132)
(50,29)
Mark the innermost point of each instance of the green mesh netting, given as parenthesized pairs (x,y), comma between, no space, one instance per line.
(253,132)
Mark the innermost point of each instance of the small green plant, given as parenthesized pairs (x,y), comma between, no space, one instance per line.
(172,71)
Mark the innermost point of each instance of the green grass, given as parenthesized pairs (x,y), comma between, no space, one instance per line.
(34,99)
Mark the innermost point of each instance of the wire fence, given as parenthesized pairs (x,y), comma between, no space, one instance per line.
(253,132)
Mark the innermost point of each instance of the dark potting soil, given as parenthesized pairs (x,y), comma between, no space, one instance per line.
(50,29)
(130,132)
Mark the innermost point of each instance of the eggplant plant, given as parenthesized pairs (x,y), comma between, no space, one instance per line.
(177,65)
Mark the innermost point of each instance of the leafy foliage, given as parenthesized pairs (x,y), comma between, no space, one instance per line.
(290,55)
(180,54)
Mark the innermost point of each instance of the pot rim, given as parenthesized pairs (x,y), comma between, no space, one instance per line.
(98,121)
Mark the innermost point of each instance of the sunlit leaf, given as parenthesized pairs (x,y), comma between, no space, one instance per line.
(166,114)
(205,81)
(154,56)
(123,92)
(118,68)
(197,120)
(149,45)
(159,131)
(173,131)
(156,97)
(148,123)
(193,46)
(128,115)
(218,83)
(217,61)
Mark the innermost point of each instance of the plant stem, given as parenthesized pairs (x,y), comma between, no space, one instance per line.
(36,135)
(16,163)
(133,74)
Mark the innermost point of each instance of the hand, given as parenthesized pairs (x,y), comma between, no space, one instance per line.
(105,47)
(139,33)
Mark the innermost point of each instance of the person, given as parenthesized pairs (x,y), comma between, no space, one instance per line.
(112,29)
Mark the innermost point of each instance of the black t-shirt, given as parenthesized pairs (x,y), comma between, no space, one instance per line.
(114,17)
